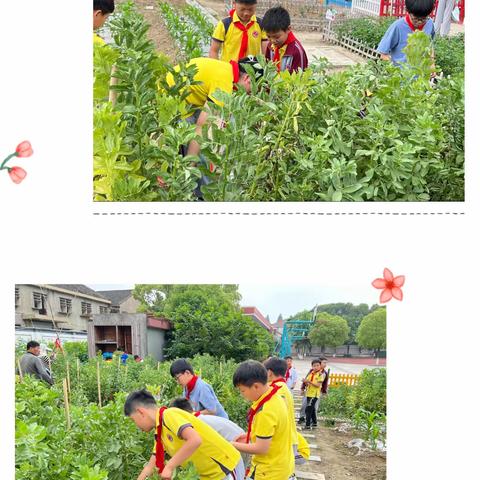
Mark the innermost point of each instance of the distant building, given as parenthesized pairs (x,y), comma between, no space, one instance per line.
(122,301)
(136,333)
(256,315)
(68,307)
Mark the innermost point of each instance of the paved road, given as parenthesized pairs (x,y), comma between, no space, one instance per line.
(303,366)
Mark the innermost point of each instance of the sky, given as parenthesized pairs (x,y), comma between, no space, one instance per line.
(273,300)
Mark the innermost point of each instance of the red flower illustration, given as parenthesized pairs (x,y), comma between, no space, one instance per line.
(24,149)
(17,174)
(390,286)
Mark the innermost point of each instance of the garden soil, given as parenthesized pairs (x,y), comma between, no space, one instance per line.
(338,462)
(158,33)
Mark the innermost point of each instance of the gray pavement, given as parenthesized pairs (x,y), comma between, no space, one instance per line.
(303,366)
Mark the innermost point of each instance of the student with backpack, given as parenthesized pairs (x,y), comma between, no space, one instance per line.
(240,34)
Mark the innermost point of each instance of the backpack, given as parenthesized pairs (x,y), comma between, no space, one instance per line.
(228,21)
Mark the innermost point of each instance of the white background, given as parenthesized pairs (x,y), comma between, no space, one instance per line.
(49,235)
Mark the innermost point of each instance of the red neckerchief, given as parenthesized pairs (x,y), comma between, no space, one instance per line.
(312,375)
(278,380)
(303,384)
(197,414)
(236,71)
(410,24)
(253,411)
(160,451)
(190,386)
(276,57)
(287,375)
(244,28)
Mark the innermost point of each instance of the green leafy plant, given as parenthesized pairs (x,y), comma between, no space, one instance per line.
(372,424)
(373,132)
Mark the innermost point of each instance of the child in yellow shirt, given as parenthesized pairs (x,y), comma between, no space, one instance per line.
(184,438)
(101,11)
(269,435)
(277,369)
(240,34)
(313,382)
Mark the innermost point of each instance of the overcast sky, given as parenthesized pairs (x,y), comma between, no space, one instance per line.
(273,300)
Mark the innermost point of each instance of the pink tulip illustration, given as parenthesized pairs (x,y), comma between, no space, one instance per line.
(23,150)
(17,174)
(390,286)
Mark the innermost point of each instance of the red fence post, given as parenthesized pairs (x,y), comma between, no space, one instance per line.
(461,6)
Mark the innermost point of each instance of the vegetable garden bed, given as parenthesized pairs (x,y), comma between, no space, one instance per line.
(355,135)
(101,443)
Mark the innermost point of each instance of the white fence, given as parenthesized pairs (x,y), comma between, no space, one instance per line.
(369,7)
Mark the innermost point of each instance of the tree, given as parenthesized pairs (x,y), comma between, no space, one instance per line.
(329,331)
(372,332)
(353,314)
(208,319)
(152,297)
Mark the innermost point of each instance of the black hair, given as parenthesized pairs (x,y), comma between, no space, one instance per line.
(322,359)
(288,357)
(315,360)
(180,366)
(246,2)
(250,372)
(106,6)
(182,403)
(252,62)
(138,398)
(32,344)
(135,357)
(420,8)
(277,365)
(276,19)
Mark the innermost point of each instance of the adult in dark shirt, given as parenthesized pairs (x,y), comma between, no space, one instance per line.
(31,364)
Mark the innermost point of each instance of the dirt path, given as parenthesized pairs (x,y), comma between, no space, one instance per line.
(337,461)
(158,33)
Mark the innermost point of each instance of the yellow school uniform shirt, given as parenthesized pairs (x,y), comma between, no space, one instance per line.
(272,421)
(318,377)
(213,459)
(98,40)
(287,396)
(213,75)
(232,40)
(303,447)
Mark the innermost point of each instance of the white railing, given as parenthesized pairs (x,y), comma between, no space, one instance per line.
(370,7)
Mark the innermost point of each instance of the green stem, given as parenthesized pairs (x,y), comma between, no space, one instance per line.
(279,137)
(2,166)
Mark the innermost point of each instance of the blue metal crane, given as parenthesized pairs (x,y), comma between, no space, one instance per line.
(293,331)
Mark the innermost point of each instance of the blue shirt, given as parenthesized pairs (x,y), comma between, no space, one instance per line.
(395,39)
(203,398)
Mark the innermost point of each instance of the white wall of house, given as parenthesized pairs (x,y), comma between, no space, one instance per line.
(47,307)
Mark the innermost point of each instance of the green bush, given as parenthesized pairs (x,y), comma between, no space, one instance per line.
(335,403)
(370,393)
(367,30)
(450,54)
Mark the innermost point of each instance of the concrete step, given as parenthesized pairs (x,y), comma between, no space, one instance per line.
(309,476)
(314,458)
(313,446)
(308,435)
